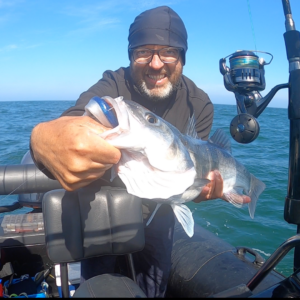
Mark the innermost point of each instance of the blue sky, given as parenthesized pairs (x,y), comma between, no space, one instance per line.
(55,50)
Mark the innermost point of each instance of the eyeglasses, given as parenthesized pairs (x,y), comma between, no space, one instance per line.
(167,55)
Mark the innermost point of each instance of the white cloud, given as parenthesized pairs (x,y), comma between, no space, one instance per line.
(8,48)
(9,3)
(93,17)
(9,10)
(91,13)
(92,27)
(13,47)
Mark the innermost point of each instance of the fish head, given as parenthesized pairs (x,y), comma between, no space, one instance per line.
(140,130)
(155,162)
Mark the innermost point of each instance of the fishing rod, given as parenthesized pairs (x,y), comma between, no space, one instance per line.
(292,201)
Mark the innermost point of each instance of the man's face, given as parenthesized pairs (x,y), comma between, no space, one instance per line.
(156,80)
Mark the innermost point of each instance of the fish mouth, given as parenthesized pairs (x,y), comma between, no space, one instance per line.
(120,112)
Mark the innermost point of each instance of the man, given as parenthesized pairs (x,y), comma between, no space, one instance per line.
(70,150)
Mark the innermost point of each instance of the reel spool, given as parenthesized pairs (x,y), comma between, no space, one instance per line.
(245,70)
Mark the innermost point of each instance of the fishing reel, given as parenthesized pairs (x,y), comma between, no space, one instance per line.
(246,78)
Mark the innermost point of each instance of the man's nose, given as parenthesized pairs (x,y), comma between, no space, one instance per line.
(156,63)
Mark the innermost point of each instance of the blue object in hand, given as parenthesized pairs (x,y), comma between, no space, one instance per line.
(104,112)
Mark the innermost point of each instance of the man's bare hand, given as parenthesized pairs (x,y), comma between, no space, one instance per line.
(214,190)
(72,150)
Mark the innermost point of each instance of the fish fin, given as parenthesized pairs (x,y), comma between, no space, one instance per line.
(158,205)
(190,129)
(194,190)
(200,182)
(113,173)
(184,217)
(191,192)
(256,188)
(220,139)
(234,198)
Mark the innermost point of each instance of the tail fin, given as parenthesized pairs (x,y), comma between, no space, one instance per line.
(256,188)
(184,217)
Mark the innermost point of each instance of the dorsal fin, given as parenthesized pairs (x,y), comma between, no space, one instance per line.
(190,129)
(220,139)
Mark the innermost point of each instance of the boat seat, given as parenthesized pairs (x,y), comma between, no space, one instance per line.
(93,222)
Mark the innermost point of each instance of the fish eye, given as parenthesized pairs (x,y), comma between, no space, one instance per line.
(151,118)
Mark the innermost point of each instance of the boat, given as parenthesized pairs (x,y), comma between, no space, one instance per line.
(40,254)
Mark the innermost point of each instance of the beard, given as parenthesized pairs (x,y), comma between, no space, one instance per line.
(157,93)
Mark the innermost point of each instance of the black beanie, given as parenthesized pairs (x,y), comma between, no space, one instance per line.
(158,26)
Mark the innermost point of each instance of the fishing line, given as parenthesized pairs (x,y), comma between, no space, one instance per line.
(1,199)
(251,22)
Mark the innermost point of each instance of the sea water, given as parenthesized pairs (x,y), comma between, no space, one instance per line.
(266,157)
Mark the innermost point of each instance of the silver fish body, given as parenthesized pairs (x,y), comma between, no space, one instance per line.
(215,154)
(160,163)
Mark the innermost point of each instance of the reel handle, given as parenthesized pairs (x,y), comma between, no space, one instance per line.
(244,128)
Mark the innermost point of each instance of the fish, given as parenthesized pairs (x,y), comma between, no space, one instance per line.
(160,163)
